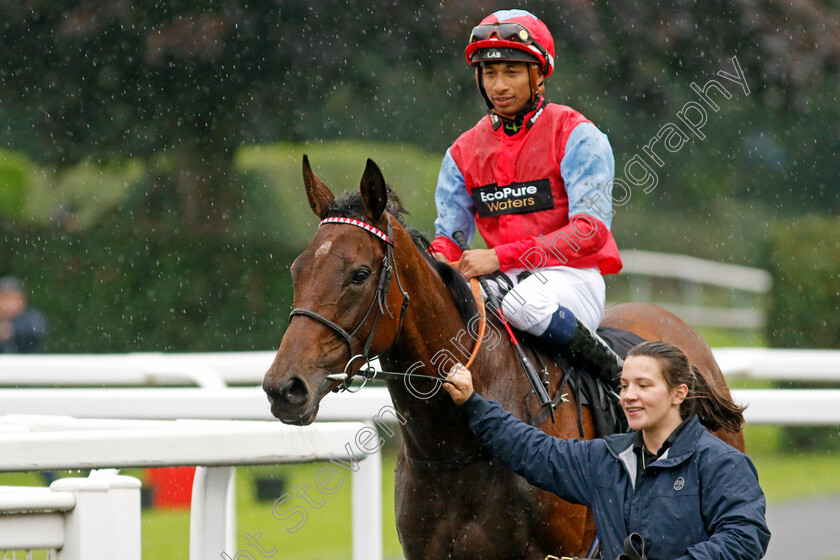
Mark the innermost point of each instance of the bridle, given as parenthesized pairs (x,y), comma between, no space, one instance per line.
(380,297)
(388,269)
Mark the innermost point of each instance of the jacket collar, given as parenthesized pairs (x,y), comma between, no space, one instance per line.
(620,445)
(639,442)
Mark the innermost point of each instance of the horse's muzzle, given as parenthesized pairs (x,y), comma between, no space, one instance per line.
(289,400)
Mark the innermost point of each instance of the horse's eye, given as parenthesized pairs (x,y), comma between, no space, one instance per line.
(360,276)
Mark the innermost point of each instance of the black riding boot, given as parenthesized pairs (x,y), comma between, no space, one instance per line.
(583,347)
(588,350)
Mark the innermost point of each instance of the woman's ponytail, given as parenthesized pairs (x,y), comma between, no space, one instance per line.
(713,406)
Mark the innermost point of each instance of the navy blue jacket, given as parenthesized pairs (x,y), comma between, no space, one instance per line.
(700,500)
(28,332)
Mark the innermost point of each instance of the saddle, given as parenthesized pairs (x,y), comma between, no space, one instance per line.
(591,391)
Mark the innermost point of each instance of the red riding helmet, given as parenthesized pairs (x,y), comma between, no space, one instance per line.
(512,35)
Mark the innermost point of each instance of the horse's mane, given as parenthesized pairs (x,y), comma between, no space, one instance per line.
(351,205)
(452,279)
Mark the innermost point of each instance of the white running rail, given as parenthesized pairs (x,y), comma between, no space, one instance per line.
(214,400)
(58,443)
(219,370)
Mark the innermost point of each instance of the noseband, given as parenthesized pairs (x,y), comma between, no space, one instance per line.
(380,297)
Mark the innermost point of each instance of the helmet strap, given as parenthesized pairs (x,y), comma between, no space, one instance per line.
(480,83)
(535,76)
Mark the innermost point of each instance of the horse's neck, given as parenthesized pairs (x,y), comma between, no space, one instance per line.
(426,347)
(429,413)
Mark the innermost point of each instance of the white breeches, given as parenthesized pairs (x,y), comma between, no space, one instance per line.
(531,303)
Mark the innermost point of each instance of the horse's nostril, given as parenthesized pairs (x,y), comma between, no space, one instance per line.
(294,391)
(273,394)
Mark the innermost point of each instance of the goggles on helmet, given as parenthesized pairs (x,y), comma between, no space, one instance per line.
(513,32)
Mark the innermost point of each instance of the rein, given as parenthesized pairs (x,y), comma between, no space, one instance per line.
(388,269)
(368,372)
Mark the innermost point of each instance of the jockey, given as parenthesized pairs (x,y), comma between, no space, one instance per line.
(535,178)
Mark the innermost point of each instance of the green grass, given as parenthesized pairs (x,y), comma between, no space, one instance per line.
(786,474)
(326,534)
(166,534)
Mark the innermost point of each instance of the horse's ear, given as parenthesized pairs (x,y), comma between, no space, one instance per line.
(374,191)
(319,195)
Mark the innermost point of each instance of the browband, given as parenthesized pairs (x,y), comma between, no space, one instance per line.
(365,226)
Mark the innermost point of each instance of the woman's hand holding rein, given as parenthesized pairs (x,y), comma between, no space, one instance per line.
(459,384)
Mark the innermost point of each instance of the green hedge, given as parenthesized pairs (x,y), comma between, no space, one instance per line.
(112,282)
(805,304)
(122,292)
(107,286)
(16,172)
(805,299)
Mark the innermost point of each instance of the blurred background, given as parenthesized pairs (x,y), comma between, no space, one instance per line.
(150,152)
(150,187)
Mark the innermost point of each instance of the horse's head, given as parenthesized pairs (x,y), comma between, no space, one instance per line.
(343,302)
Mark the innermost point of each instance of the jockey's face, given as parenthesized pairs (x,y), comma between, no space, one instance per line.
(508,87)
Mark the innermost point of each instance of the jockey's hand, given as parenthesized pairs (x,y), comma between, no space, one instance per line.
(442,258)
(459,384)
(478,262)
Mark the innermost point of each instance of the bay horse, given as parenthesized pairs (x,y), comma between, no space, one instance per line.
(365,286)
